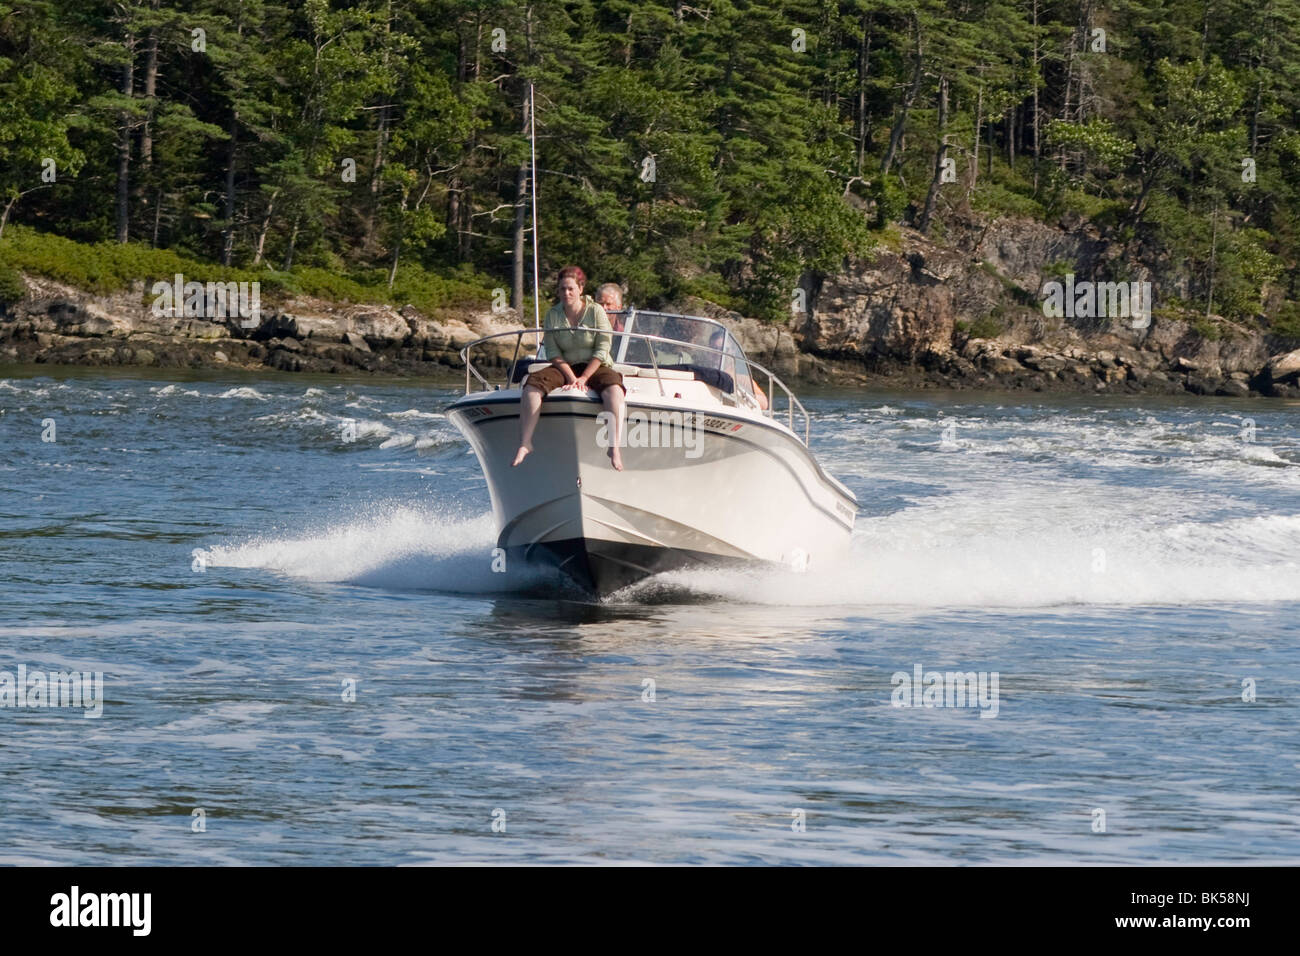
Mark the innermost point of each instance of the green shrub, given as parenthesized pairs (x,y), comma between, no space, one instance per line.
(1207,329)
(985,327)
(1087,205)
(105,267)
(891,201)
(11,284)
(1285,323)
(713,288)
(995,199)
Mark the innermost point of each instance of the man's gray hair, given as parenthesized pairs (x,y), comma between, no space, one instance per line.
(611,287)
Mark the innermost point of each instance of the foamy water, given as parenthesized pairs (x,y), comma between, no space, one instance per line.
(948,556)
(231,554)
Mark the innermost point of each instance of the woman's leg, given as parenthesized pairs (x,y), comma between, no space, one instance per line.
(530,409)
(612,397)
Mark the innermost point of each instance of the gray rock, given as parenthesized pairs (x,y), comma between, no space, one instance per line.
(314,326)
(356,340)
(380,325)
(1046,363)
(284,360)
(962,367)
(202,329)
(1284,366)
(1001,365)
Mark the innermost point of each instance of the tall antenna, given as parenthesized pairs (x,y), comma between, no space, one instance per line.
(532,136)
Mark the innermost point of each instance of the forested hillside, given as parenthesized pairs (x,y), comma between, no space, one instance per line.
(724,149)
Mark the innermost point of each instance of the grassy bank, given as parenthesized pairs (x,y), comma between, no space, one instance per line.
(106,267)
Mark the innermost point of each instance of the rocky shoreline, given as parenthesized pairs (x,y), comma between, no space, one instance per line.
(897,322)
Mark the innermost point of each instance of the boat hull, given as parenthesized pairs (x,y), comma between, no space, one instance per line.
(698,488)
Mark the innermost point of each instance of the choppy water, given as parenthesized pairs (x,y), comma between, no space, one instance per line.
(1122,565)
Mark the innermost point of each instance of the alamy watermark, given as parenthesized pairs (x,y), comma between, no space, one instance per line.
(211,300)
(1086,299)
(924,688)
(655,430)
(41,689)
(75,908)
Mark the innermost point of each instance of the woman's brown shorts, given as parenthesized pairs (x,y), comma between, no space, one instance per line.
(551,378)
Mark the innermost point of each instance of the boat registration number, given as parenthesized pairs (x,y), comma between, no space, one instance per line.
(719,423)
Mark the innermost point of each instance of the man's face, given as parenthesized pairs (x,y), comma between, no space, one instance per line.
(611,302)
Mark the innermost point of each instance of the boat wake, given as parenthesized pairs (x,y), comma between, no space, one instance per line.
(911,563)
(396,547)
(930,555)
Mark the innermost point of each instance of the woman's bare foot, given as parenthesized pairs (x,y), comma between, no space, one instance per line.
(523,452)
(615,457)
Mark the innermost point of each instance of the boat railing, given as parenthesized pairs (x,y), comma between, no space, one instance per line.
(792,404)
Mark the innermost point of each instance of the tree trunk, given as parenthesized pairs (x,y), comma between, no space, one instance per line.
(1069,81)
(928,213)
(896,134)
(232,156)
(266,226)
(146,132)
(1254,117)
(124,147)
(397,254)
(1034,76)
(522,181)
(228,237)
(397,247)
(381,144)
(453,210)
(4,217)
(521,217)
(293,243)
(157,215)
(150,87)
(1214,240)
(988,151)
(864,67)
(381,139)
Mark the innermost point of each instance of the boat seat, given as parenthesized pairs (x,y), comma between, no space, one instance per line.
(522,367)
(715,377)
(669,375)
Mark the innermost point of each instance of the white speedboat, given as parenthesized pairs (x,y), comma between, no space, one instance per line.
(710,477)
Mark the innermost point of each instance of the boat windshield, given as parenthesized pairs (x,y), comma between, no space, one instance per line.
(702,346)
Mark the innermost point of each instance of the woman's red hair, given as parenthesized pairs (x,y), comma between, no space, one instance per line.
(574,273)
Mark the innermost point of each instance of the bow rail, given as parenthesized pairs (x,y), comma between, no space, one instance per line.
(737,393)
